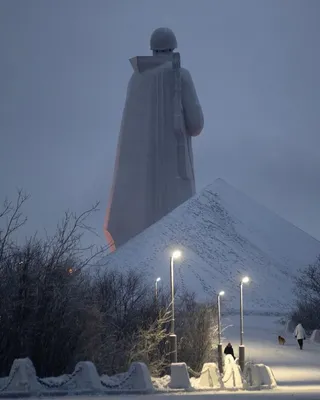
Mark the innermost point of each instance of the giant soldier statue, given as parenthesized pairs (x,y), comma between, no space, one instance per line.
(154,170)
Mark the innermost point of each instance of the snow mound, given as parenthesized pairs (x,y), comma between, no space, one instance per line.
(258,377)
(161,383)
(223,234)
(315,336)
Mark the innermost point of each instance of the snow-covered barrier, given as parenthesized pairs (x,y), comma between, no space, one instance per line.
(289,326)
(137,379)
(232,378)
(179,376)
(84,379)
(210,377)
(23,381)
(228,359)
(258,376)
(315,336)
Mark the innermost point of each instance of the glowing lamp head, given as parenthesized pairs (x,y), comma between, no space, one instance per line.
(158,279)
(221,293)
(245,279)
(176,254)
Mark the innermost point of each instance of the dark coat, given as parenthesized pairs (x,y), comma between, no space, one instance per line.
(229,350)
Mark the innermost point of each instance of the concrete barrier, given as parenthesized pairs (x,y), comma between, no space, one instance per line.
(289,326)
(140,378)
(179,376)
(137,379)
(315,336)
(23,381)
(228,359)
(258,376)
(210,376)
(251,375)
(232,378)
(87,377)
(268,380)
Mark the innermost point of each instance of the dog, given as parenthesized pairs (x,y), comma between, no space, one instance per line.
(281,340)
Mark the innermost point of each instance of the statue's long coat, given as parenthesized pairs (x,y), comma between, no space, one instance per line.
(147,182)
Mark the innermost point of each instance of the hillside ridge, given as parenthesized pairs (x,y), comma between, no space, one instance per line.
(223,234)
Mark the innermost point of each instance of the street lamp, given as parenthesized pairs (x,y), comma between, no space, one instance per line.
(242,347)
(156,283)
(173,338)
(219,334)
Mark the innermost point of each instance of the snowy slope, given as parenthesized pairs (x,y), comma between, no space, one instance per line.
(223,235)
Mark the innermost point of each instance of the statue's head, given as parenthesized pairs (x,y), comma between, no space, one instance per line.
(163,40)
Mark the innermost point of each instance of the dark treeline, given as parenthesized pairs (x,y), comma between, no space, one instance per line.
(307,310)
(58,308)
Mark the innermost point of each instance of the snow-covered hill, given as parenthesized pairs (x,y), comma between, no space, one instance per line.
(224,235)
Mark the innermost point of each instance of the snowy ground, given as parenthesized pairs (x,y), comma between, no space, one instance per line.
(276,394)
(297,372)
(290,365)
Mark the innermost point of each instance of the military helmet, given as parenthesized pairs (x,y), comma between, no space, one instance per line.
(163,39)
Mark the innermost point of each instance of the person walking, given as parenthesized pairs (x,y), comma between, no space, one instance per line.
(229,350)
(300,335)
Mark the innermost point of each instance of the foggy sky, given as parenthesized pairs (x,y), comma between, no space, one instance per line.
(63,74)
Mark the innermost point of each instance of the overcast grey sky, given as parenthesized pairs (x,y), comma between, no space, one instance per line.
(63,74)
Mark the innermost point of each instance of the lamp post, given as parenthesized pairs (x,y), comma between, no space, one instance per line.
(156,292)
(219,334)
(242,347)
(173,338)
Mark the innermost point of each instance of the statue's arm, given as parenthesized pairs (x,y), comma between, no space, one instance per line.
(192,110)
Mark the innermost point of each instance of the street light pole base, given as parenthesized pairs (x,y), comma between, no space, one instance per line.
(242,356)
(173,348)
(220,358)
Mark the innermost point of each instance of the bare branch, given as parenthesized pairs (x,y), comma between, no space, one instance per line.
(14,220)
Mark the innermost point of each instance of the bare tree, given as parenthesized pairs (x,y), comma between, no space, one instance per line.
(11,219)
(197,331)
(66,244)
(125,303)
(43,290)
(308,282)
(308,296)
(59,305)
(150,344)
